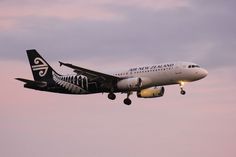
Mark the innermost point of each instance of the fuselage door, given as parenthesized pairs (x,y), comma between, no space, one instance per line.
(178,68)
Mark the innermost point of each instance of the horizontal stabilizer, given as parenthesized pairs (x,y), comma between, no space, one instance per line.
(32,83)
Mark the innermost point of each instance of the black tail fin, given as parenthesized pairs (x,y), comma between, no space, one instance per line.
(41,70)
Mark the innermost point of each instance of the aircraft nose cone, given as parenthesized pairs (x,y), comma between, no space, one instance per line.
(204,73)
(201,73)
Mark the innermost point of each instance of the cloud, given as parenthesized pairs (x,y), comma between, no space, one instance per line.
(151,4)
(67,11)
(72,10)
(136,32)
(7,24)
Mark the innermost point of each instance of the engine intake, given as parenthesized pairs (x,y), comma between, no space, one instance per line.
(152,92)
(129,84)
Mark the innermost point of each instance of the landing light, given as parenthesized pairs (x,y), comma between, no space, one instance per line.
(181,83)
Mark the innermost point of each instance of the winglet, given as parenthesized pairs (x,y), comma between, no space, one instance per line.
(60,63)
(66,64)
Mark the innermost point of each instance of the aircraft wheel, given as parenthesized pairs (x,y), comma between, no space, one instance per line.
(183,92)
(127,101)
(111,96)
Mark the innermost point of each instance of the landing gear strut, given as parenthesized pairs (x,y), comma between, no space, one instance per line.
(182,91)
(127,100)
(111,96)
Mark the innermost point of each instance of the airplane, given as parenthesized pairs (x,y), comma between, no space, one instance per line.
(146,81)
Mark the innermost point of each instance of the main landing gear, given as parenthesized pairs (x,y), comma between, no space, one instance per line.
(127,100)
(182,91)
(111,96)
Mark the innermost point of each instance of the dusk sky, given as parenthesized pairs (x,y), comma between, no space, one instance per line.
(108,35)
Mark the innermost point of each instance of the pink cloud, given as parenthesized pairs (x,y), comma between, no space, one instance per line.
(11,14)
(6,24)
(67,10)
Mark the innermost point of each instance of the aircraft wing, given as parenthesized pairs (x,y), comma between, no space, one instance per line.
(93,75)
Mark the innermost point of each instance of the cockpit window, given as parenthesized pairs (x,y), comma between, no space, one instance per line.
(193,66)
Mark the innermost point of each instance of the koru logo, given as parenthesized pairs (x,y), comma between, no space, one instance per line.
(41,66)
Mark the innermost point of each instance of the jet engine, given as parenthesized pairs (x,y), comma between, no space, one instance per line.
(152,92)
(129,84)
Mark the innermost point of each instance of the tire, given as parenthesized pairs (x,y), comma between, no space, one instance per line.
(111,96)
(182,92)
(127,101)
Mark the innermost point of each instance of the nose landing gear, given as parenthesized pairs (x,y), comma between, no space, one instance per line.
(182,91)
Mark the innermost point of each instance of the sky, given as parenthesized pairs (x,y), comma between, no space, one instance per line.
(108,35)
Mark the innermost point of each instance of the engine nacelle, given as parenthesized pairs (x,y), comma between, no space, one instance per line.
(152,92)
(129,84)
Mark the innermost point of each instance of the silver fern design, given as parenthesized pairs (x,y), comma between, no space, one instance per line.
(41,66)
(77,84)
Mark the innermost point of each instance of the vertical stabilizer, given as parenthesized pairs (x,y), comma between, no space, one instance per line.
(41,70)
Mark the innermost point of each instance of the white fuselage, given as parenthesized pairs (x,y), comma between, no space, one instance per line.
(165,74)
(150,76)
